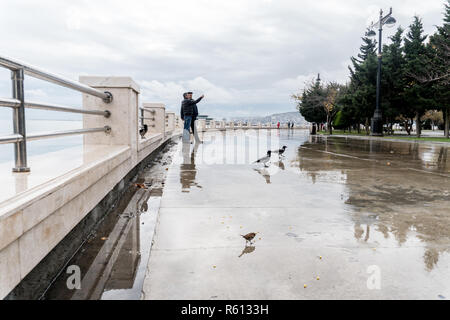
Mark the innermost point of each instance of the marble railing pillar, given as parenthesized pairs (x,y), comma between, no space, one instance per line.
(170,121)
(201,125)
(158,112)
(124,112)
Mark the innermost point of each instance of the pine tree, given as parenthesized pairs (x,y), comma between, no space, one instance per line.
(367,50)
(393,78)
(416,94)
(310,102)
(438,70)
(447,14)
(362,88)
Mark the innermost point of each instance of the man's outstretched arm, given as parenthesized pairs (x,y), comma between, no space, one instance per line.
(199,99)
(191,102)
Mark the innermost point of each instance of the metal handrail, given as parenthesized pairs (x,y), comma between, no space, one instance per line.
(13,103)
(18,104)
(56,79)
(46,135)
(144,109)
(13,138)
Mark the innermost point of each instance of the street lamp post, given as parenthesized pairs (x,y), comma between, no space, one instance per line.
(377,120)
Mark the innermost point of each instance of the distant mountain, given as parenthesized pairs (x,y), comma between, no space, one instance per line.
(295,117)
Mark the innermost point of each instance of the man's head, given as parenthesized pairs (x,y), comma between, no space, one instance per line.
(187,95)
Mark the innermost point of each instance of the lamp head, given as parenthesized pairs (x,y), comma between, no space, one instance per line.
(371,33)
(390,21)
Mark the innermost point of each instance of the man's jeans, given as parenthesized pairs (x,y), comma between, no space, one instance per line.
(187,128)
(187,122)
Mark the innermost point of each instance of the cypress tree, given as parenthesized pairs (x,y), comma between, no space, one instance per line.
(439,68)
(310,103)
(363,77)
(393,78)
(416,57)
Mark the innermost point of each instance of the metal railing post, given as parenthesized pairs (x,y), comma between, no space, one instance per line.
(20,147)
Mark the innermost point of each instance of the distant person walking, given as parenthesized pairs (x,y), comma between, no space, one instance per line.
(189,113)
(278,125)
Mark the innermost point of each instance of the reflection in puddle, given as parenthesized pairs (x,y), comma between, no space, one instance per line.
(268,172)
(396,193)
(188,171)
(113,262)
(280,165)
(247,250)
(265,174)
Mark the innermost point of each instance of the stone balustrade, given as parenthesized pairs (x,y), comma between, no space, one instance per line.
(36,223)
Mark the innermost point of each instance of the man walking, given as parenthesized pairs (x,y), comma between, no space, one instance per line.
(189,113)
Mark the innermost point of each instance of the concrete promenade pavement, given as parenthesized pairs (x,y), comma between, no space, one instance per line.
(336,219)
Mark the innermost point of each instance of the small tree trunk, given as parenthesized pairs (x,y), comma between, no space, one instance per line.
(418,125)
(359,128)
(447,123)
(313,130)
(367,126)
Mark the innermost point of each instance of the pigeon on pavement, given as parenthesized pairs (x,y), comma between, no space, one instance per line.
(281,151)
(266,159)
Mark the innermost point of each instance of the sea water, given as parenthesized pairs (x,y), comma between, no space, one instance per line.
(40,146)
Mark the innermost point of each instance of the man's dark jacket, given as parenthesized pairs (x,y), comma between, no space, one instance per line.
(189,108)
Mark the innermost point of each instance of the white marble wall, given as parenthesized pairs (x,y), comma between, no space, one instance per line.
(34,222)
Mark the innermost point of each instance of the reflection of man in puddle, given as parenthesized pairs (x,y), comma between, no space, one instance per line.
(188,170)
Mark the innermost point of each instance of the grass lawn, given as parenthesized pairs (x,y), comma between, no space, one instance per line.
(411,138)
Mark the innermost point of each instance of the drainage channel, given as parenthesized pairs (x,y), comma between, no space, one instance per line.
(112,263)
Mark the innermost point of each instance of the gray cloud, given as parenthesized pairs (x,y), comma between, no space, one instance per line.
(247,56)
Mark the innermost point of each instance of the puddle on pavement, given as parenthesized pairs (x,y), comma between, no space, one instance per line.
(394,193)
(371,198)
(114,259)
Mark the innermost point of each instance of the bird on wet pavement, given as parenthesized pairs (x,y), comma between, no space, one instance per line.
(249,237)
(280,151)
(266,159)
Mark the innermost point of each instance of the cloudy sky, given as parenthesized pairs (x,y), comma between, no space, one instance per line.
(246,56)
